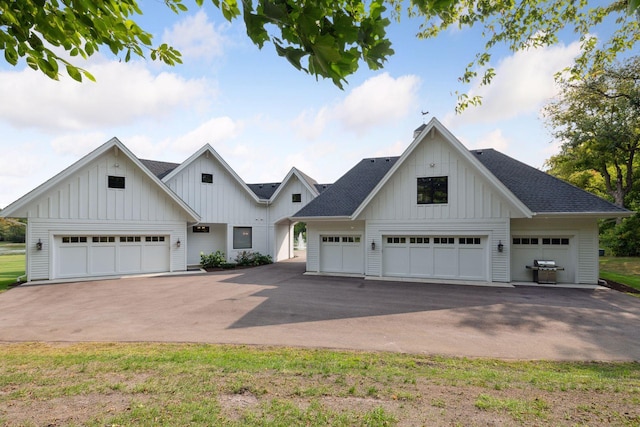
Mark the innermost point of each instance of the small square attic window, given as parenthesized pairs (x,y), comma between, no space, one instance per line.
(207,178)
(115,181)
(296,197)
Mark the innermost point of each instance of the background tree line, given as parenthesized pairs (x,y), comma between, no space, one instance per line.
(597,119)
(12,230)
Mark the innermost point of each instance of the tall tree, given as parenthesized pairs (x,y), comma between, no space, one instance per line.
(326,38)
(598,121)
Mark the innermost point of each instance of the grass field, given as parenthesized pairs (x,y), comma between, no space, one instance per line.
(11,266)
(621,269)
(203,385)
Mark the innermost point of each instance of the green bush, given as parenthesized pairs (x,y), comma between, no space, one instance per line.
(252,258)
(624,238)
(213,260)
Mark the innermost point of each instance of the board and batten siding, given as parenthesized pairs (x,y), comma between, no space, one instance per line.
(282,207)
(470,195)
(584,235)
(40,266)
(223,201)
(316,229)
(280,211)
(495,231)
(85,195)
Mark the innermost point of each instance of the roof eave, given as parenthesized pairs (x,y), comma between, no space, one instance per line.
(430,127)
(208,148)
(321,218)
(621,214)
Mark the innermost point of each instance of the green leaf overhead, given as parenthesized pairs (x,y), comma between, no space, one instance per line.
(325,38)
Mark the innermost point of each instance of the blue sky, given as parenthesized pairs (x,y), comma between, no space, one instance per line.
(261,114)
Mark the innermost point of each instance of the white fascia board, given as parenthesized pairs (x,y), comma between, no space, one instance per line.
(596,215)
(208,148)
(302,179)
(434,124)
(321,218)
(113,143)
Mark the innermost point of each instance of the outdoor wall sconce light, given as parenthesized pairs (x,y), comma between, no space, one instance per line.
(178,243)
(373,246)
(39,245)
(500,246)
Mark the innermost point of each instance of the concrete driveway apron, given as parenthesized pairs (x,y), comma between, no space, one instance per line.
(279,305)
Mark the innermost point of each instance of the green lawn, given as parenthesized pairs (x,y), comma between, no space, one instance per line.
(624,270)
(11,267)
(98,384)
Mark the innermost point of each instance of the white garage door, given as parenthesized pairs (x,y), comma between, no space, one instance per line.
(80,256)
(526,249)
(439,257)
(341,254)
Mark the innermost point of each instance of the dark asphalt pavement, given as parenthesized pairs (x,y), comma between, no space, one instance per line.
(278,305)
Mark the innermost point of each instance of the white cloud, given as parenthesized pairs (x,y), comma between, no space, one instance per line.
(217,132)
(379,101)
(523,83)
(123,93)
(494,139)
(393,150)
(78,145)
(196,37)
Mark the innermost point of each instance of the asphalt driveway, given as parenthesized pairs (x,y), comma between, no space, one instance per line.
(278,305)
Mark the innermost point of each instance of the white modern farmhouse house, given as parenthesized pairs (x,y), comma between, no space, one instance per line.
(438,212)
(442,212)
(111,213)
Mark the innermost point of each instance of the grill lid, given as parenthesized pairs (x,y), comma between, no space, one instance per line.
(544,263)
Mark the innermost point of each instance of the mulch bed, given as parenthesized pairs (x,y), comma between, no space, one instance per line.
(619,286)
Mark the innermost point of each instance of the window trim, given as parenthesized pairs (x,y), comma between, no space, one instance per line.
(114,182)
(296,198)
(206,178)
(426,187)
(237,243)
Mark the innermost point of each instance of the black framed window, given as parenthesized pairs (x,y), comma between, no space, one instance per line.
(433,190)
(115,181)
(207,178)
(242,238)
(296,197)
(200,228)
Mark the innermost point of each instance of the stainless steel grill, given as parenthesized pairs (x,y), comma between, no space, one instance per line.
(544,271)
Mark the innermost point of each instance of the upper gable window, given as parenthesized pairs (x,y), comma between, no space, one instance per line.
(115,181)
(296,197)
(432,190)
(207,178)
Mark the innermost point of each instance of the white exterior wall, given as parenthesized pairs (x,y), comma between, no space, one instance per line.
(474,206)
(41,264)
(224,201)
(85,196)
(471,197)
(280,210)
(584,236)
(317,228)
(206,243)
(82,204)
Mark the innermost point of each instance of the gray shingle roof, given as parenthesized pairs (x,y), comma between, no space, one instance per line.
(264,191)
(539,191)
(159,169)
(345,195)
